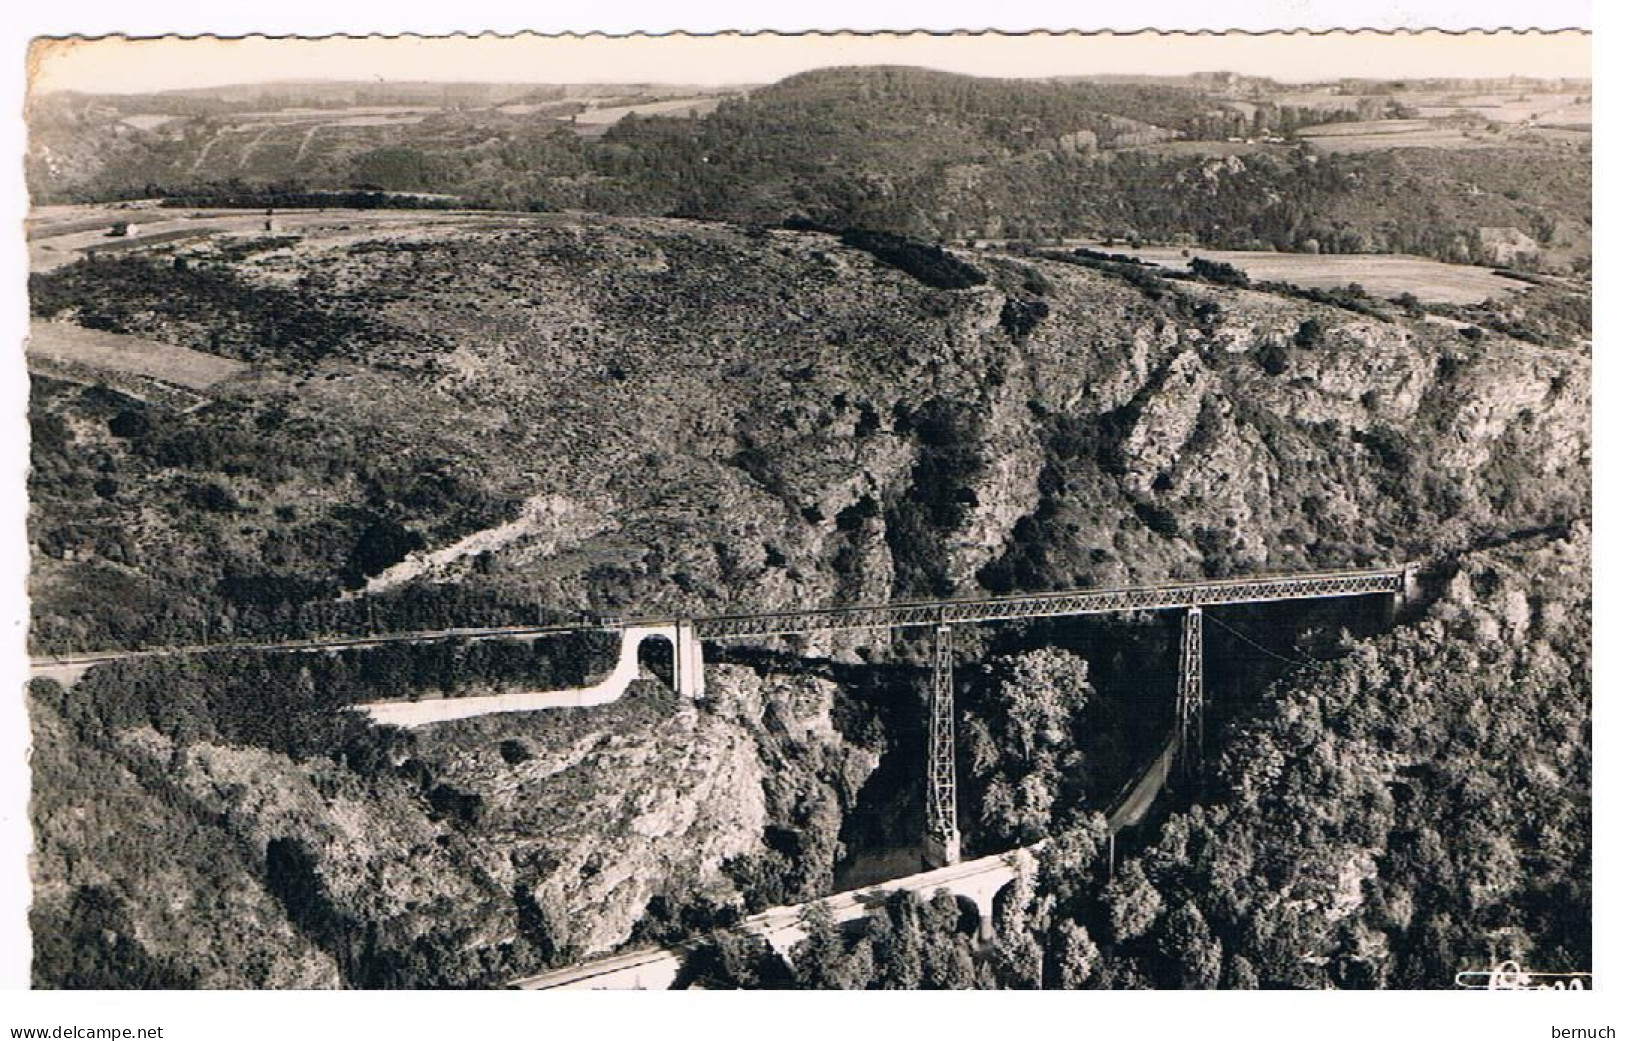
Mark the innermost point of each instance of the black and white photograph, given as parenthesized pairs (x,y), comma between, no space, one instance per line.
(1050,511)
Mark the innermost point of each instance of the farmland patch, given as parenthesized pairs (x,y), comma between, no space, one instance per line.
(1397,133)
(1385,275)
(63,344)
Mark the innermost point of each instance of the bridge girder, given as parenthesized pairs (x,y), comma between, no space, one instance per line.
(1051,605)
(1395,581)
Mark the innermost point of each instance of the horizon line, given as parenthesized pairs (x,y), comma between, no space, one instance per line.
(721,86)
(159,64)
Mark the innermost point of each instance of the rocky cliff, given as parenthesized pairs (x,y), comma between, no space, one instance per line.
(492,847)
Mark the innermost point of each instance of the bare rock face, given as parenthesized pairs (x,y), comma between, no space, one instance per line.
(1364,372)
(1507,245)
(1166,423)
(1224,473)
(1012,457)
(374,856)
(684,795)
(601,815)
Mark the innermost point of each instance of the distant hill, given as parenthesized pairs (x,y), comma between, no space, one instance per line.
(1211,160)
(279,93)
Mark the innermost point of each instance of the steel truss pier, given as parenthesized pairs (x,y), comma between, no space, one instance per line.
(941,798)
(1190,698)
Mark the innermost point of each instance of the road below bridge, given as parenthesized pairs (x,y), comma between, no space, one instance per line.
(978,881)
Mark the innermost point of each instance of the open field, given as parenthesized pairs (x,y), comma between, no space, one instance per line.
(1385,275)
(1397,133)
(261,123)
(1323,100)
(597,121)
(1512,106)
(1575,116)
(330,115)
(1380,127)
(59,235)
(132,355)
(1222,149)
(148,122)
(44,222)
(1555,109)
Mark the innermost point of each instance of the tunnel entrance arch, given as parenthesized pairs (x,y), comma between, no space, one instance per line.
(657,655)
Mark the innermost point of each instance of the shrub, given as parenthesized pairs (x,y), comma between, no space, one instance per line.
(129,424)
(1136,273)
(1219,273)
(212,498)
(1021,316)
(1310,333)
(1158,519)
(931,265)
(384,543)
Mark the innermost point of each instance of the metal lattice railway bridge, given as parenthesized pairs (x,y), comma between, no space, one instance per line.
(942,826)
(688,673)
(978,881)
(1156,597)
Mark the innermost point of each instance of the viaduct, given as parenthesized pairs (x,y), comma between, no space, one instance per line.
(687,637)
(976,881)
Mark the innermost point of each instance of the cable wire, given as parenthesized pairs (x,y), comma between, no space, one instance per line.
(1312,663)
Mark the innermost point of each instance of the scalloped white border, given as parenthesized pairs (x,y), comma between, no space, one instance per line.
(500,1016)
(316,17)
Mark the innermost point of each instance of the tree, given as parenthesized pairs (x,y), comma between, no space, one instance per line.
(1017,958)
(898,943)
(1310,334)
(1075,955)
(1273,356)
(731,961)
(1017,961)
(945,961)
(1070,864)
(1043,692)
(1241,975)
(1217,271)
(1021,729)
(1187,943)
(823,961)
(1132,903)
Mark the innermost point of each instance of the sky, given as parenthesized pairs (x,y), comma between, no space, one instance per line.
(116,65)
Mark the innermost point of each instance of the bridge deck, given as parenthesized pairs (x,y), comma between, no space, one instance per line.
(1048,605)
(1158,596)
